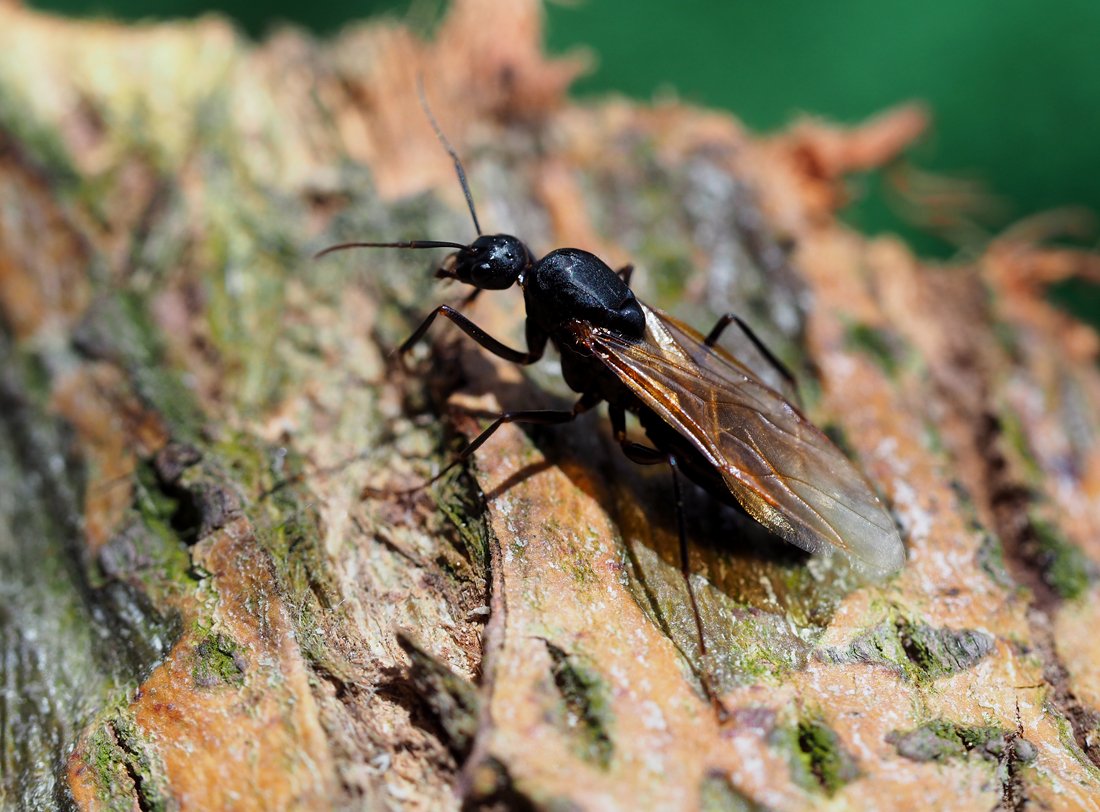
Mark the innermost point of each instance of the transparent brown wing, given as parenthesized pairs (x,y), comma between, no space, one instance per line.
(784,471)
(735,346)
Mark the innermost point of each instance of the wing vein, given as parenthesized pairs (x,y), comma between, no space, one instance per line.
(741,425)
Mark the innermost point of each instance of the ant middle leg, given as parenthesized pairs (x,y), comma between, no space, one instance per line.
(635,452)
(542,417)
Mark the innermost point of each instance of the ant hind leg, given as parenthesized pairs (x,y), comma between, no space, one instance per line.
(685,572)
(731,318)
(645,455)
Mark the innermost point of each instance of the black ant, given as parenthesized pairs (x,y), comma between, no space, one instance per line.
(706,413)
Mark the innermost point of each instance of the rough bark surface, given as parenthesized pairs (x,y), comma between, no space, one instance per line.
(200,609)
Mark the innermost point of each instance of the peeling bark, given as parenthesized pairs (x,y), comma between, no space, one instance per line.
(205,604)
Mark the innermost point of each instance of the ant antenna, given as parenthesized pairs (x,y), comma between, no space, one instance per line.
(450,151)
(409,244)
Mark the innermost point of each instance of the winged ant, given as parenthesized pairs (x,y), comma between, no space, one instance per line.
(706,413)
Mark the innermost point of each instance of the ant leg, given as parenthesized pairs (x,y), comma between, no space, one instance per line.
(644,455)
(685,571)
(533,354)
(635,452)
(625,273)
(468,299)
(542,417)
(729,318)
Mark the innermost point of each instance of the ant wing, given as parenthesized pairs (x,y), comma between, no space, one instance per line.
(782,469)
(737,348)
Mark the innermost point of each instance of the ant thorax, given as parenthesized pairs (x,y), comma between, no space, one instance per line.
(569,284)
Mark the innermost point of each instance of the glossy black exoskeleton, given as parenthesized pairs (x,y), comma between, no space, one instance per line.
(704,411)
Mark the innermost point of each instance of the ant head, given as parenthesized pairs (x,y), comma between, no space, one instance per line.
(491,262)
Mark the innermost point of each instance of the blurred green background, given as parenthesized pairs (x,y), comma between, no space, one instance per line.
(1014,85)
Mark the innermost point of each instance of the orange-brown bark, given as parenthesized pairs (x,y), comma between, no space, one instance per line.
(193,408)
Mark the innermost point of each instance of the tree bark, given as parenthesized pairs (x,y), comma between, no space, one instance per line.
(202,607)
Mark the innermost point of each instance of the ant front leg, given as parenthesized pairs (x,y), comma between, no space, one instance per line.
(536,340)
(724,322)
(468,299)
